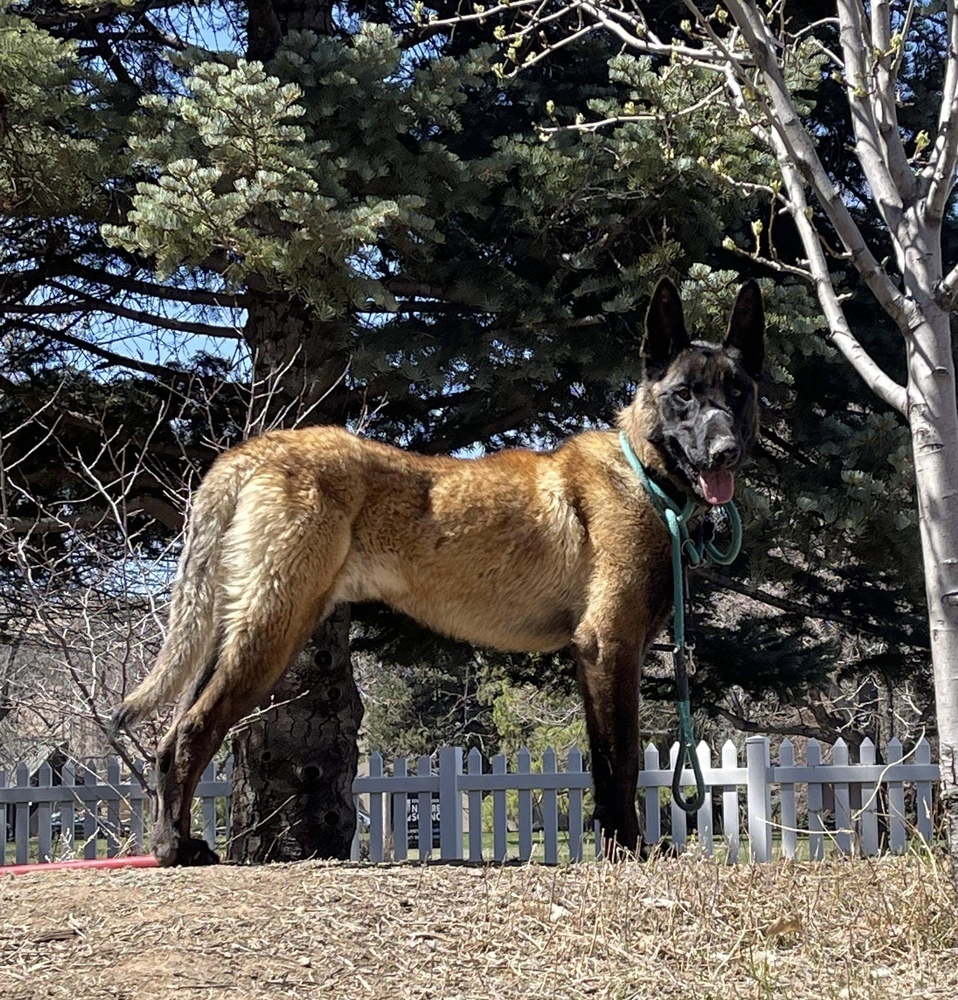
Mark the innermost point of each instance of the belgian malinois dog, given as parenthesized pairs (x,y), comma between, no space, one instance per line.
(518,550)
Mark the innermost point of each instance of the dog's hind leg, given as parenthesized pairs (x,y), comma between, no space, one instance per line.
(248,665)
(275,587)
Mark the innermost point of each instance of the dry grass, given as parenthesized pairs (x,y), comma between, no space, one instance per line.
(689,929)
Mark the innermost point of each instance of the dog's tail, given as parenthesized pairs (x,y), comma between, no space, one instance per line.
(191,641)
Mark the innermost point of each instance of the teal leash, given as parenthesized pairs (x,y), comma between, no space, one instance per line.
(695,553)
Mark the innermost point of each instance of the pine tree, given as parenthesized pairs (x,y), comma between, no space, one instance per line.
(387,227)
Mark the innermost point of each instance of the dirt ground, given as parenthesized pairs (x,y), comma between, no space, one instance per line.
(665,929)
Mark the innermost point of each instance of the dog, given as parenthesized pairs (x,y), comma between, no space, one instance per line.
(518,550)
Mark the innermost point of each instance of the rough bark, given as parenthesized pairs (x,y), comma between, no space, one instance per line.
(294,764)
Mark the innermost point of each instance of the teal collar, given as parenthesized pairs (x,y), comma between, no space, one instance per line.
(677,519)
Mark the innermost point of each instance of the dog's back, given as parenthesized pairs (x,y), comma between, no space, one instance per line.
(496,551)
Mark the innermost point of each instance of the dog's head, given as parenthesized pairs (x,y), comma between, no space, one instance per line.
(699,401)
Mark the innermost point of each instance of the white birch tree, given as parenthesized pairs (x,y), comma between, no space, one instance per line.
(755,53)
(911,192)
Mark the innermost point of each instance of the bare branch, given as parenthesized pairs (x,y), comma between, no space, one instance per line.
(885,387)
(939,174)
(793,145)
(784,729)
(634,32)
(883,108)
(653,116)
(949,289)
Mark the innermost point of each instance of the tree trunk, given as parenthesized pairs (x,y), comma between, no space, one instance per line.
(933,418)
(294,764)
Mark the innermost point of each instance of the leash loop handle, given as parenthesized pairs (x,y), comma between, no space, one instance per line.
(687,752)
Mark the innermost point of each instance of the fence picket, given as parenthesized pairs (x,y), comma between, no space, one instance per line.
(574,766)
(44,837)
(703,817)
(897,833)
(499,843)
(923,793)
(450,804)
(113,808)
(786,756)
(377,827)
(91,819)
(816,819)
(137,830)
(843,810)
(759,798)
(400,813)
(653,815)
(868,818)
(677,815)
(474,798)
(424,835)
(730,811)
(208,805)
(67,809)
(524,766)
(550,811)
(22,821)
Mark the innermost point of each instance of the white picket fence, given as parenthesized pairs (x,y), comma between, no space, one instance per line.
(840,806)
(851,790)
(92,804)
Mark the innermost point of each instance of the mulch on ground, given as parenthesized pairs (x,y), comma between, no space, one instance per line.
(665,929)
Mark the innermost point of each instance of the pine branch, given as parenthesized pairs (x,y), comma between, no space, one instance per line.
(82,302)
(162,372)
(154,290)
(855,624)
(16,286)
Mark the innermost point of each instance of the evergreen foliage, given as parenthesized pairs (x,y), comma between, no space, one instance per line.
(477,268)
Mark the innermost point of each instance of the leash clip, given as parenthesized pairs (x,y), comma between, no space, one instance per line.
(688,659)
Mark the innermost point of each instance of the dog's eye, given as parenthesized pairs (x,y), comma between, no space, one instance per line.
(684,393)
(735,393)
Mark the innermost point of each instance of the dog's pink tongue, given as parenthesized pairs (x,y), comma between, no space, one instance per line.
(718,485)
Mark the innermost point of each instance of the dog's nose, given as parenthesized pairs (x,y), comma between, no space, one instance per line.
(724,452)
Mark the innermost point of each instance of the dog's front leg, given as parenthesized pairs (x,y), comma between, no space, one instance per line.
(609,671)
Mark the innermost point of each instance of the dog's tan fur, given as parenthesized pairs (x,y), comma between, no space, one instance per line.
(518,550)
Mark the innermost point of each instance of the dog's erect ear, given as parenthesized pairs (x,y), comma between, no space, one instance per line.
(746,329)
(665,333)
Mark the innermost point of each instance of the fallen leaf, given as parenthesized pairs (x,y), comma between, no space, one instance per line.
(786,924)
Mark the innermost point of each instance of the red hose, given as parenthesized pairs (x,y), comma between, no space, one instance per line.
(135,861)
